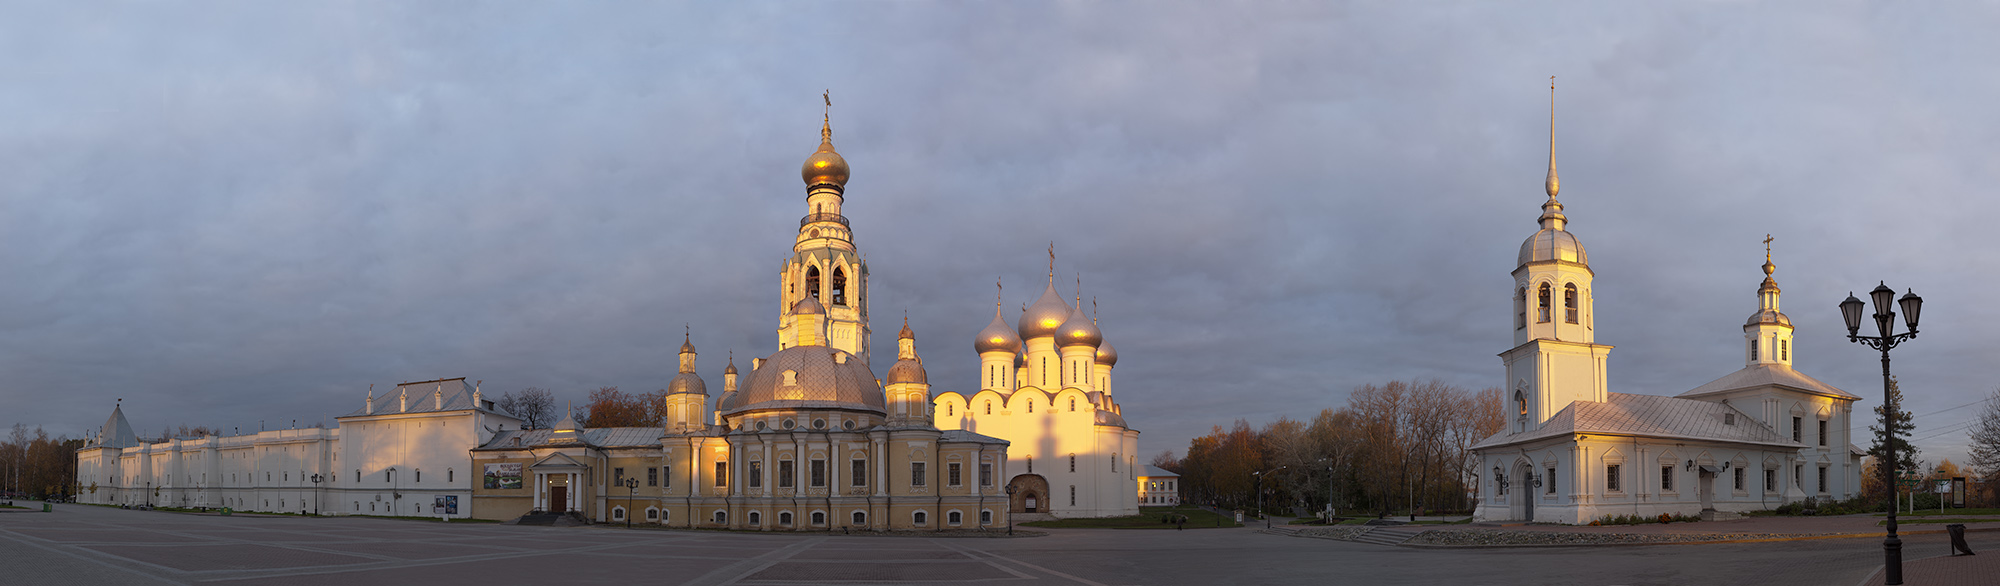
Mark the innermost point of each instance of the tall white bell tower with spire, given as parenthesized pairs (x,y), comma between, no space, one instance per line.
(1555,359)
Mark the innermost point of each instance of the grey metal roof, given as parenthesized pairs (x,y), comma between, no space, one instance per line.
(907,371)
(1157,472)
(820,382)
(687,383)
(117,432)
(602,437)
(1651,416)
(963,436)
(1779,375)
(423,398)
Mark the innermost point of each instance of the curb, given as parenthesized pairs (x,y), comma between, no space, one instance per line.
(1627,544)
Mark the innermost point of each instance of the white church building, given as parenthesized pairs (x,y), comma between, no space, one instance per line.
(1572,451)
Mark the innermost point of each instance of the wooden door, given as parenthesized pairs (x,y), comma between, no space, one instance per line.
(558,499)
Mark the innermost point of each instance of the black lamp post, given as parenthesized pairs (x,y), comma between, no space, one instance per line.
(1850,310)
(316,478)
(631,484)
(1010,509)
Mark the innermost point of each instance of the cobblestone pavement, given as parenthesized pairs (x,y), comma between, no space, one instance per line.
(81,544)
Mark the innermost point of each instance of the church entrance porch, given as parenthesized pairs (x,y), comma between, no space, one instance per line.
(1523,488)
(1030,498)
(558,494)
(1706,487)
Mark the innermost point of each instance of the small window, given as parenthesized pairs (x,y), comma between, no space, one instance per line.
(652,514)
(721,475)
(1611,478)
(952,518)
(1822,432)
(1798,429)
(860,518)
(1542,305)
(860,475)
(450,475)
(652,476)
(1770,480)
(986,517)
(1729,419)
(920,518)
(917,474)
(1753,349)
(986,474)
(785,472)
(618,513)
(1072,404)
(617,476)
(1784,349)
(756,517)
(818,472)
(722,517)
(1822,479)
(756,478)
(1549,482)
(1569,303)
(819,518)
(1072,495)
(951,474)
(1666,478)
(666,476)
(785,518)
(989,407)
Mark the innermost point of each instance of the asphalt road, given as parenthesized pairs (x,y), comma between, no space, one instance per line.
(81,544)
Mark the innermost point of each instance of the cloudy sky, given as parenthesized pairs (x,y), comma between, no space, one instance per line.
(234,213)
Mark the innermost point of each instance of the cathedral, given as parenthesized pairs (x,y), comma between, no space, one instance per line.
(1572,451)
(809,438)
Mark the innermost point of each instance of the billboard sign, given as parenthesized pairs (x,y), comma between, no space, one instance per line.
(445,505)
(503,476)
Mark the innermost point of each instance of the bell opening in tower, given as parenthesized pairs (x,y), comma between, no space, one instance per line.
(839,286)
(812,282)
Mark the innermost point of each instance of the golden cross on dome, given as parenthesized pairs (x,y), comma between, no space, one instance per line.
(998,292)
(1767,247)
(828,96)
(1052,262)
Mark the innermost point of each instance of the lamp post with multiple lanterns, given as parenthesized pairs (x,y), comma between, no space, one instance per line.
(1850,310)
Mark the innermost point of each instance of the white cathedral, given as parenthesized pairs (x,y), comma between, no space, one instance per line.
(1572,451)
(811,442)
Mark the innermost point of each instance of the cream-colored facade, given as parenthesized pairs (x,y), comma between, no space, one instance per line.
(1572,451)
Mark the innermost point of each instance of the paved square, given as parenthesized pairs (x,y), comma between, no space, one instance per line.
(80,544)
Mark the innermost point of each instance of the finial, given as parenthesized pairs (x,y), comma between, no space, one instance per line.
(1768,267)
(1553,184)
(826,118)
(1093,309)
(1079,291)
(998,293)
(1052,262)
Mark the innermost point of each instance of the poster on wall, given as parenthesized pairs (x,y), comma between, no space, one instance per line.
(445,505)
(503,476)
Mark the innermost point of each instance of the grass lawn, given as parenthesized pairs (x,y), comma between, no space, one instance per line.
(1148,518)
(11,507)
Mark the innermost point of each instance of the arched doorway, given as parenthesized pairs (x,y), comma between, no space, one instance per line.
(1030,494)
(1523,486)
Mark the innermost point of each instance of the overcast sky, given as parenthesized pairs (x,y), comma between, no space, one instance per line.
(234,213)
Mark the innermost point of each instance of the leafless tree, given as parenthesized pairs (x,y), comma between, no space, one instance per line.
(535,406)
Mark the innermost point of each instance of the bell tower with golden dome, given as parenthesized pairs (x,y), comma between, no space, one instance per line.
(825,266)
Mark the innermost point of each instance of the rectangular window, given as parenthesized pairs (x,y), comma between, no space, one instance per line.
(722,474)
(1798,429)
(860,475)
(1799,475)
(785,473)
(652,476)
(1549,482)
(1666,478)
(819,472)
(917,474)
(951,474)
(1822,433)
(617,476)
(756,479)
(1822,479)
(666,476)
(1770,480)
(1611,478)
(986,474)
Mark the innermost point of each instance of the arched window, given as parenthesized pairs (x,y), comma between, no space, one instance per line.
(950,410)
(839,286)
(819,518)
(723,517)
(1569,303)
(1031,405)
(1542,305)
(860,518)
(1521,402)
(919,517)
(1072,404)
(1520,308)
(1072,462)
(785,518)
(812,282)
(989,407)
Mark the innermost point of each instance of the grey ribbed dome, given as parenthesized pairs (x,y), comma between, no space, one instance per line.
(818,382)
(808,306)
(1106,355)
(1552,244)
(1045,316)
(687,382)
(907,371)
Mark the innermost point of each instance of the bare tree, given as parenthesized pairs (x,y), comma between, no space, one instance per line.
(535,406)
(1165,460)
(1984,439)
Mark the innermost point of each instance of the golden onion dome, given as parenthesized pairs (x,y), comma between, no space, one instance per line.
(1106,355)
(808,306)
(1078,330)
(1045,316)
(825,165)
(907,371)
(997,337)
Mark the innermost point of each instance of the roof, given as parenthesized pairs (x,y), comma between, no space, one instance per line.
(457,397)
(117,432)
(1648,415)
(963,436)
(602,437)
(1779,375)
(1152,471)
(823,378)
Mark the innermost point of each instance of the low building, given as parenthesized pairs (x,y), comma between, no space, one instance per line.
(1158,487)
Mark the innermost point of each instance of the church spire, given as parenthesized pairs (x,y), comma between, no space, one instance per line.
(1552,216)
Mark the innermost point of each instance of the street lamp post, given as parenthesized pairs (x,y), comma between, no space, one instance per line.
(631,484)
(316,479)
(1850,310)
(1010,509)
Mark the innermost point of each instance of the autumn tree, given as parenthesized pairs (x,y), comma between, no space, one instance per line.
(609,407)
(1165,460)
(534,405)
